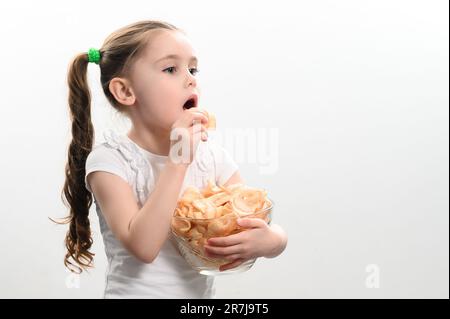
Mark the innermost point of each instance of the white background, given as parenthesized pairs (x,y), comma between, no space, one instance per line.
(357,89)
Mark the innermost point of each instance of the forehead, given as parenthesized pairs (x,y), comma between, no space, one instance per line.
(168,42)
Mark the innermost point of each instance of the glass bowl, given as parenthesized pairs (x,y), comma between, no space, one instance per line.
(191,234)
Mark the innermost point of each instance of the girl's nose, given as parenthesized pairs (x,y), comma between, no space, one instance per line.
(191,80)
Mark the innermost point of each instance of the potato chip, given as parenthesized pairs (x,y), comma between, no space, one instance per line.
(211,120)
(248,201)
(222,226)
(200,205)
(211,189)
(197,215)
(190,194)
(210,212)
(181,225)
(194,234)
(198,244)
(219,199)
(201,229)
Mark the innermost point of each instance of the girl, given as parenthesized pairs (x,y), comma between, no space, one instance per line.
(147,73)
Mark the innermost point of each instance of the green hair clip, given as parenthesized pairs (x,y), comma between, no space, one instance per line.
(94,55)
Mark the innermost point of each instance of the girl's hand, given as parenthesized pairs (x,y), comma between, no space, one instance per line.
(191,127)
(258,240)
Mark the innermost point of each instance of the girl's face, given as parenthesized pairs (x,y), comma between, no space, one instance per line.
(163,79)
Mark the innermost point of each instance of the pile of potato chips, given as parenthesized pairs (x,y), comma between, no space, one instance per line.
(213,211)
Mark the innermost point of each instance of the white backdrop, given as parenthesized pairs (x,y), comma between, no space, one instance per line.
(357,91)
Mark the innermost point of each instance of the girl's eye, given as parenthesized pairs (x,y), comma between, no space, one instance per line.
(172,69)
(194,71)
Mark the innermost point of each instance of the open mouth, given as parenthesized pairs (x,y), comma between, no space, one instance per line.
(190,103)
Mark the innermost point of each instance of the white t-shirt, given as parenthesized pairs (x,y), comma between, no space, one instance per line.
(169,275)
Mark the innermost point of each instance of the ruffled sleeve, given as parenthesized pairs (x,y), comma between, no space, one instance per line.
(136,160)
(105,159)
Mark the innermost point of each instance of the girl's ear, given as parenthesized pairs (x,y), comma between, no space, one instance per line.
(122,91)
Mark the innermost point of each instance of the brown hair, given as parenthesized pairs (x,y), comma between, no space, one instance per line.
(117,53)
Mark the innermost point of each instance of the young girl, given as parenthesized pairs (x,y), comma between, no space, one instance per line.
(147,73)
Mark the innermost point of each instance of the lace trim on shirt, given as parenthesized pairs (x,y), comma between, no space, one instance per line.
(137,161)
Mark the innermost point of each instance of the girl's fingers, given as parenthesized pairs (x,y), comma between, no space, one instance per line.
(199,135)
(202,111)
(230,250)
(197,128)
(195,117)
(204,136)
(226,241)
(251,222)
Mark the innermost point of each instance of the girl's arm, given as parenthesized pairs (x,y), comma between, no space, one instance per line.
(142,231)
